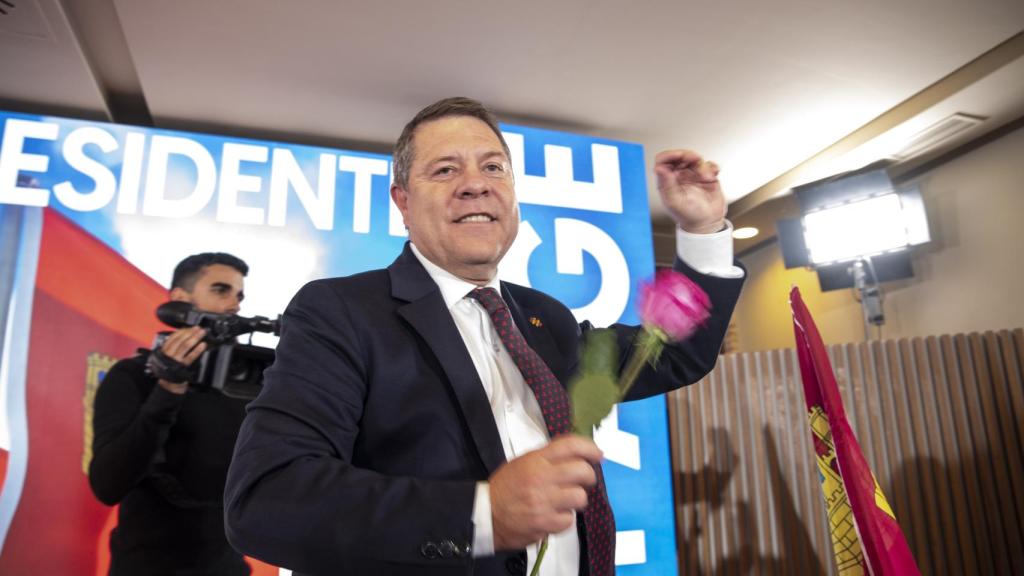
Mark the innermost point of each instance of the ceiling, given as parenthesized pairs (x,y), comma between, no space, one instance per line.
(778,93)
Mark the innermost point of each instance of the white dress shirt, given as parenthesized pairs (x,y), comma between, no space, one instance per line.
(516,413)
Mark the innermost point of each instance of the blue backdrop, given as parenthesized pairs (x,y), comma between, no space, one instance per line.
(296,213)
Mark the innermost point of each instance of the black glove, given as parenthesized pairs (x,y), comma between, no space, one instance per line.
(162,366)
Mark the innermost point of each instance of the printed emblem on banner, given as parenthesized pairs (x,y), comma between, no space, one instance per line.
(97,367)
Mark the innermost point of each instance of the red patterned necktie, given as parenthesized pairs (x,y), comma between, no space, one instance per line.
(554,405)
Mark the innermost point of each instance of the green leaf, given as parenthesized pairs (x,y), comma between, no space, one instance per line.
(600,352)
(594,390)
(592,395)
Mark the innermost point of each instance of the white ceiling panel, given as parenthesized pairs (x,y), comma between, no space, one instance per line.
(758,86)
(41,63)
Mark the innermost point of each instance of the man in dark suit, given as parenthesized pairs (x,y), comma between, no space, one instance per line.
(413,420)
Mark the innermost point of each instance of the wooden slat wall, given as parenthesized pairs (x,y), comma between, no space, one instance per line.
(940,420)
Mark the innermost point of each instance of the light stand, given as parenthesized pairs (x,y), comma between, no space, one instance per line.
(869,292)
(846,217)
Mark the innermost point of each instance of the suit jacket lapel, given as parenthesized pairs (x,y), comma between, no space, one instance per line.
(537,336)
(426,312)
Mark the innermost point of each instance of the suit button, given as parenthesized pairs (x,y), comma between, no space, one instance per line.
(429,550)
(516,564)
(448,549)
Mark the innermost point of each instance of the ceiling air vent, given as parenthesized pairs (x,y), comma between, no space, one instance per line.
(942,131)
(24,18)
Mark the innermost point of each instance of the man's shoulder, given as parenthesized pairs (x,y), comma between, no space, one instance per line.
(130,371)
(370,281)
(532,298)
(133,365)
(526,293)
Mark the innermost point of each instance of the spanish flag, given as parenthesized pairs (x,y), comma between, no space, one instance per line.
(865,536)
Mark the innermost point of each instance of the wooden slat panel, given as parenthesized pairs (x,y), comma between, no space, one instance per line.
(999,479)
(795,433)
(693,430)
(983,460)
(969,438)
(913,503)
(747,525)
(739,485)
(923,444)
(717,528)
(679,442)
(954,491)
(775,461)
(1015,386)
(776,457)
(689,412)
(876,419)
(706,534)
(1015,471)
(723,473)
(939,420)
(887,425)
(857,397)
(935,456)
(762,516)
(765,446)
(795,429)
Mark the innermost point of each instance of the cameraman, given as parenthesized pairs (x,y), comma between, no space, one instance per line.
(161,447)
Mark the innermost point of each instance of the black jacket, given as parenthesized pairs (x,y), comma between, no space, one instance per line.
(372,429)
(164,458)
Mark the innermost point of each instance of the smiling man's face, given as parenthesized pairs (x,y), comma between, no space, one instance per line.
(460,204)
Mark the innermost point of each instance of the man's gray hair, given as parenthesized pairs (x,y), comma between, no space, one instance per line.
(456,106)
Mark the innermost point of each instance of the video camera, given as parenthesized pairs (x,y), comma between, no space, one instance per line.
(231,368)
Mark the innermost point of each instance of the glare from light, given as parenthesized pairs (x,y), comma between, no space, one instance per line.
(863,228)
(745,232)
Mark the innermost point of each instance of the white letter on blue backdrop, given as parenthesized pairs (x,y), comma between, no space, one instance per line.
(232,181)
(618,446)
(320,206)
(155,202)
(364,169)
(558,186)
(75,156)
(572,238)
(131,173)
(396,223)
(14,160)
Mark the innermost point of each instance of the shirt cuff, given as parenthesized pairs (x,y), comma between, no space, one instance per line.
(709,254)
(483,527)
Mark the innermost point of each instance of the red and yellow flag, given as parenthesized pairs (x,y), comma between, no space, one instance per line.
(865,536)
(89,306)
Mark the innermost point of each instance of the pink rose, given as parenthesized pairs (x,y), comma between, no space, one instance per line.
(673,304)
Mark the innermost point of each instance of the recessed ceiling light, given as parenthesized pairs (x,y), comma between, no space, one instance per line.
(745,232)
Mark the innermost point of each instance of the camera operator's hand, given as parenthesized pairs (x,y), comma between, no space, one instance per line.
(183,346)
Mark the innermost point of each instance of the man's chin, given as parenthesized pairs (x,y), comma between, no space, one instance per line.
(480,265)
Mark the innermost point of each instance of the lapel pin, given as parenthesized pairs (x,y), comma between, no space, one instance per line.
(536,321)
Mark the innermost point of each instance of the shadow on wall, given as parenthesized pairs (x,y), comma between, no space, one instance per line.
(709,504)
(962,518)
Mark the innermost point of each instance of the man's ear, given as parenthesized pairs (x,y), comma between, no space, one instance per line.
(400,196)
(179,294)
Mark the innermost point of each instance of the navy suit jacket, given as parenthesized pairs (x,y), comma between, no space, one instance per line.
(362,452)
